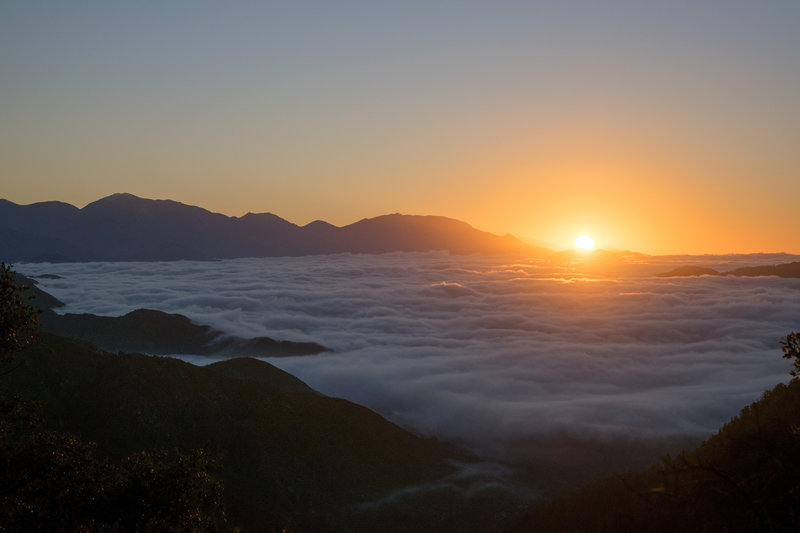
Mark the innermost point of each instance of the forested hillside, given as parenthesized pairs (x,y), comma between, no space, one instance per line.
(745,478)
(286,455)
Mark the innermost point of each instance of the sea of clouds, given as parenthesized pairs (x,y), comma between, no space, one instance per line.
(484,350)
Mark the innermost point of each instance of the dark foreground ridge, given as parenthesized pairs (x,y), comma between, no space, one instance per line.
(745,478)
(288,457)
(784,270)
(123,227)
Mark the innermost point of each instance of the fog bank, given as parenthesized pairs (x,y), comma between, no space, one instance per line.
(480,349)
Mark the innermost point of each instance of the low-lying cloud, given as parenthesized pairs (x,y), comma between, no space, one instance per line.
(479,350)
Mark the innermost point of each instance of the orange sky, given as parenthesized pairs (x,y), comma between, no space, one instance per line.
(659,129)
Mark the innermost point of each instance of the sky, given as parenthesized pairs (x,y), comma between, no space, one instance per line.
(659,127)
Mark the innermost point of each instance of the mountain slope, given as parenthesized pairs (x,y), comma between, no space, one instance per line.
(123,227)
(159,333)
(289,456)
(153,332)
(745,478)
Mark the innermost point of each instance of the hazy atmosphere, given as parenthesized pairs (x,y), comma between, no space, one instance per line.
(666,127)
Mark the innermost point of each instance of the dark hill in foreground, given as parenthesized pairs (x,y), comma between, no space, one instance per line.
(123,227)
(289,456)
(745,478)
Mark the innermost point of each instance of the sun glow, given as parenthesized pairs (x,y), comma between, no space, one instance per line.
(584,242)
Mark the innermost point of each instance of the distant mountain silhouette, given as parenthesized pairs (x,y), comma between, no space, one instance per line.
(37,298)
(124,227)
(784,270)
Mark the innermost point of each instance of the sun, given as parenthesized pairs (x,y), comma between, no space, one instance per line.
(584,242)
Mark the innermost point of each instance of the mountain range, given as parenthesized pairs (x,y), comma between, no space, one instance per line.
(124,227)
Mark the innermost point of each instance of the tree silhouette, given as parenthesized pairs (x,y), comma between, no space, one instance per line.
(18,320)
(791,349)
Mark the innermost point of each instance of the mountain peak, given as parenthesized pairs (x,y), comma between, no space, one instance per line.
(265,218)
(123,196)
(319,224)
(118,197)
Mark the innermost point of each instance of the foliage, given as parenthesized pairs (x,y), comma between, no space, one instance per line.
(52,481)
(791,349)
(167,490)
(18,320)
(56,481)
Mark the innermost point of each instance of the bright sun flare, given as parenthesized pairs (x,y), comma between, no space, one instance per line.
(584,242)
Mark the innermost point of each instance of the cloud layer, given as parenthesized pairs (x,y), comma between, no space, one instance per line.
(477,349)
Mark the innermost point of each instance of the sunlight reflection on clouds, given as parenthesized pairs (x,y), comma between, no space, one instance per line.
(471,349)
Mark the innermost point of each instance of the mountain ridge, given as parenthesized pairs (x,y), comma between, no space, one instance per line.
(125,227)
(154,332)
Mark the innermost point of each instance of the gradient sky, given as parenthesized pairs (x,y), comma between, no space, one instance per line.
(661,127)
